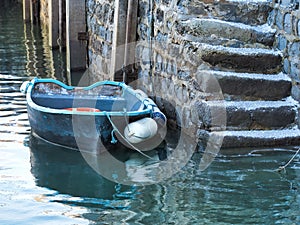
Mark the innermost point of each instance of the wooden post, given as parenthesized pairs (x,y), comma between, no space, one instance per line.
(62,24)
(119,38)
(27,10)
(130,45)
(53,12)
(76,44)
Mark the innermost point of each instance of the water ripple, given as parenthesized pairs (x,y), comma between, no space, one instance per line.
(14,125)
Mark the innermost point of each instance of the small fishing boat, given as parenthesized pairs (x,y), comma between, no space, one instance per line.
(92,118)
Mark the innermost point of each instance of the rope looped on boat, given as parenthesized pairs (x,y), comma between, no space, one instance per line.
(113,139)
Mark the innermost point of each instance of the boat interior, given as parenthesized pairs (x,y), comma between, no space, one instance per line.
(108,98)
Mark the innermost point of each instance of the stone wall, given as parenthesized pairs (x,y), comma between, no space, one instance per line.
(100,20)
(169,65)
(285,17)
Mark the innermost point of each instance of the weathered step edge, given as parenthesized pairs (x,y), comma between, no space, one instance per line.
(242,139)
(247,115)
(252,60)
(246,85)
(249,12)
(194,28)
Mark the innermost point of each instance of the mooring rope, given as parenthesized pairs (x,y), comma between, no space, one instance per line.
(284,166)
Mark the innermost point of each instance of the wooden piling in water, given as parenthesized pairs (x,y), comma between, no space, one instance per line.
(123,50)
(53,12)
(130,39)
(119,38)
(62,24)
(27,11)
(31,11)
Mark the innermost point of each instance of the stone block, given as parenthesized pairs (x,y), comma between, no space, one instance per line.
(185,95)
(285,3)
(239,139)
(286,66)
(287,23)
(281,42)
(109,35)
(164,84)
(159,63)
(171,89)
(279,20)
(273,87)
(197,28)
(243,60)
(295,67)
(279,117)
(201,114)
(249,115)
(184,74)
(192,7)
(159,15)
(296,92)
(294,49)
(146,57)
(238,118)
(186,117)
(178,93)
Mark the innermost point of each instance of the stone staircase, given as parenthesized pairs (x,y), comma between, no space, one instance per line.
(238,47)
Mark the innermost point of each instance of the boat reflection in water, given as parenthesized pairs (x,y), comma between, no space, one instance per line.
(68,173)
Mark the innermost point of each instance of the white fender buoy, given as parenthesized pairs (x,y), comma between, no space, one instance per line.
(140,130)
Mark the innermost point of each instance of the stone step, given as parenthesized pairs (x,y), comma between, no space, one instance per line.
(254,12)
(262,138)
(249,60)
(249,85)
(249,115)
(215,31)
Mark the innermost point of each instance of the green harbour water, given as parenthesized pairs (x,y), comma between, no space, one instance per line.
(44,184)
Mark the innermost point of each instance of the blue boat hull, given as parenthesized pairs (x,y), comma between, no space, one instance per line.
(53,116)
(74,131)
